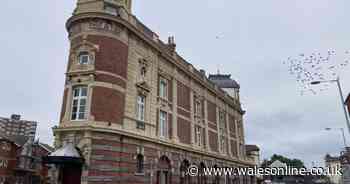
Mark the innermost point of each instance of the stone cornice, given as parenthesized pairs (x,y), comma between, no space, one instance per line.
(162,52)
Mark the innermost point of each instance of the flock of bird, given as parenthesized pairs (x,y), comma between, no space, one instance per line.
(315,67)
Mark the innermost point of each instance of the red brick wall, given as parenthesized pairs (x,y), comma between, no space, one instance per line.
(107,105)
(10,157)
(183,113)
(211,112)
(40,152)
(183,96)
(113,160)
(212,125)
(117,159)
(170,122)
(213,141)
(184,130)
(110,79)
(112,55)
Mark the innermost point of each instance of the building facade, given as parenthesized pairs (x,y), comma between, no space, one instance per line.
(7,160)
(21,160)
(333,163)
(14,126)
(136,111)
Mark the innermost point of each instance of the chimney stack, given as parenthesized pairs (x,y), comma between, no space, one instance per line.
(203,72)
(15,117)
(171,43)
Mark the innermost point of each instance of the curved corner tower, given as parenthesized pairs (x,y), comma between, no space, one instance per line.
(95,88)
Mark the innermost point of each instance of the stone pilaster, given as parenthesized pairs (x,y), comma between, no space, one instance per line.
(175,137)
(218,126)
(193,132)
(228,134)
(207,146)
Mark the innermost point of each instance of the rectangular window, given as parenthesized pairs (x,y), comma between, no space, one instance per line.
(79,103)
(222,123)
(163,124)
(163,88)
(141,100)
(223,145)
(197,108)
(199,139)
(84,58)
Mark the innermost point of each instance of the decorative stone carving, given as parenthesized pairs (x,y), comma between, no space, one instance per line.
(143,70)
(106,26)
(100,25)
(143,88)
(85,47)
(5,146)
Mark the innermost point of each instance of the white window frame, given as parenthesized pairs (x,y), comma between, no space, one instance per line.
(223,145)
(163,124)
(141,108)
(163,88)
(79,100)
(84,55)
(198,136)
(198,108)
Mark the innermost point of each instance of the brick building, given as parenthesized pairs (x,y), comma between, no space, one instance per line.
(134,111)
(8,151)
(14,126)
(21,160)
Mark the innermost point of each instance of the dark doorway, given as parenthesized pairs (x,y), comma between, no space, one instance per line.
(71,174)
(164,171)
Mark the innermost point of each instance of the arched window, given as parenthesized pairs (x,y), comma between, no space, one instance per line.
(140,163)
(164,171)
(185,178)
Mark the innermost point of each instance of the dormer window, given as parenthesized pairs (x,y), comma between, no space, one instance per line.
(84,58)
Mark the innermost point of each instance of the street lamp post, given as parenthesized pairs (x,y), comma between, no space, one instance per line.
(343,134)
(341,98)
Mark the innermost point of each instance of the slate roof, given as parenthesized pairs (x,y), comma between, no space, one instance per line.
(330,158)
(224,81)
(18,140)
(250,148)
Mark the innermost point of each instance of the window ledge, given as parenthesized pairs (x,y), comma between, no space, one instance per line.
(140,174)
(141,125)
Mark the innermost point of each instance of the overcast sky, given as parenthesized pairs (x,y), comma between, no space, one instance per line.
(248,39)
